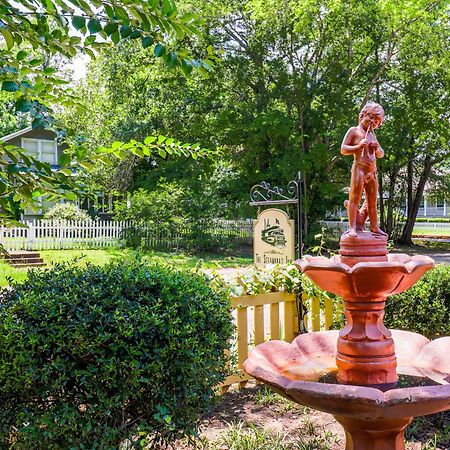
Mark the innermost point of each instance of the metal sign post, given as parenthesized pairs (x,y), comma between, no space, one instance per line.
(264,194)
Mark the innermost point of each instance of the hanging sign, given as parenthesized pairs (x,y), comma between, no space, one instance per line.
(273,238)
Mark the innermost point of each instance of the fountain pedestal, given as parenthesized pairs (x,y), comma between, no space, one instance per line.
(365,349)
(374,435)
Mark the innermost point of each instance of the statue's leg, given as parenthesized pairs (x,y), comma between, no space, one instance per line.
(356,190)
(371,189)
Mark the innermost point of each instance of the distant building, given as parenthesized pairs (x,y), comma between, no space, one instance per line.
(43,145)
(430,207)
(37,142)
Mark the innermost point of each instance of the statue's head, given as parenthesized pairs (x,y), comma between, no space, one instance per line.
(371,115)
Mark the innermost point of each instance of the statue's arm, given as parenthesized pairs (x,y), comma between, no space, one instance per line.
(347,148)
(379,152)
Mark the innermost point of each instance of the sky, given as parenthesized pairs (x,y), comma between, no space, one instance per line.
(79,66)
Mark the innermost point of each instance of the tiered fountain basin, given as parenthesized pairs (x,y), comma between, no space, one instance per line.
(373,380)
(372,419)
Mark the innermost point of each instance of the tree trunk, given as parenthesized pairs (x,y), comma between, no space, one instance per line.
(391,201)
(406,237)
(410,170)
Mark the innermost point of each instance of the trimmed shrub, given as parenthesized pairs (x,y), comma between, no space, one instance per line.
(425,308)
(433,219)
(67,211)
(91,357)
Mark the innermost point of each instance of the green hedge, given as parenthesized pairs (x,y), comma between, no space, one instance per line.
(91,357)
(425,308)
(433,219)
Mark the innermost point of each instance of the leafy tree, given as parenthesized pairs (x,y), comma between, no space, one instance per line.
(415,89)
(291,78)
(33,31)
(67,211)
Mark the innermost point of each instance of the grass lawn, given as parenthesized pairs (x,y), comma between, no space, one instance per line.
(103,256)
(422,231)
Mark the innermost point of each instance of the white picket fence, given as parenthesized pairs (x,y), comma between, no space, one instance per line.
(340,227)
(70,234)
(60,234)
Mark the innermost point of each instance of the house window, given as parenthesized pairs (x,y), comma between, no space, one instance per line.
(43,150)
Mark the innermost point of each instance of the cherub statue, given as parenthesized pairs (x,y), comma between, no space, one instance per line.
(361,142)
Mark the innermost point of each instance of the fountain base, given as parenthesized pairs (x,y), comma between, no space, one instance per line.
(373,418)
(379,434)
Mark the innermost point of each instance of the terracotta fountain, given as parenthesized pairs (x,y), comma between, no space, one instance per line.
(373,380)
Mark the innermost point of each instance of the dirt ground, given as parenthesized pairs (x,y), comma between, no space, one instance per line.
(257,407)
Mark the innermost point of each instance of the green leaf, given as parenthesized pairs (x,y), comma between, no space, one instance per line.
(89,52)
(125,31)
(38,122)
(159,50)
(90,40)
(49,70)
(186,66)
(169,8)
(10,69)
(149,139)
(75,40)
(115,37)
(78,22)
(109,11)
(64,159)
(35,62)
(25,85)
(147,41)
(121,14)
(171,60)
(110,28)
(94,26)
(86,165)
(22,105)
(8,38)
(21,55)
(135,34)
(10,86)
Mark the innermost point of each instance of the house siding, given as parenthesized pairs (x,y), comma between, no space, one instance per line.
(37,133)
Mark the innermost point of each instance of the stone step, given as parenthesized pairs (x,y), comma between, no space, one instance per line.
(16,261)
(22,255)
(24,265)
(23,258)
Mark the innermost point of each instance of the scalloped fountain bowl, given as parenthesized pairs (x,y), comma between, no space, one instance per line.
(372,419)
(373,380)
(365,279)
